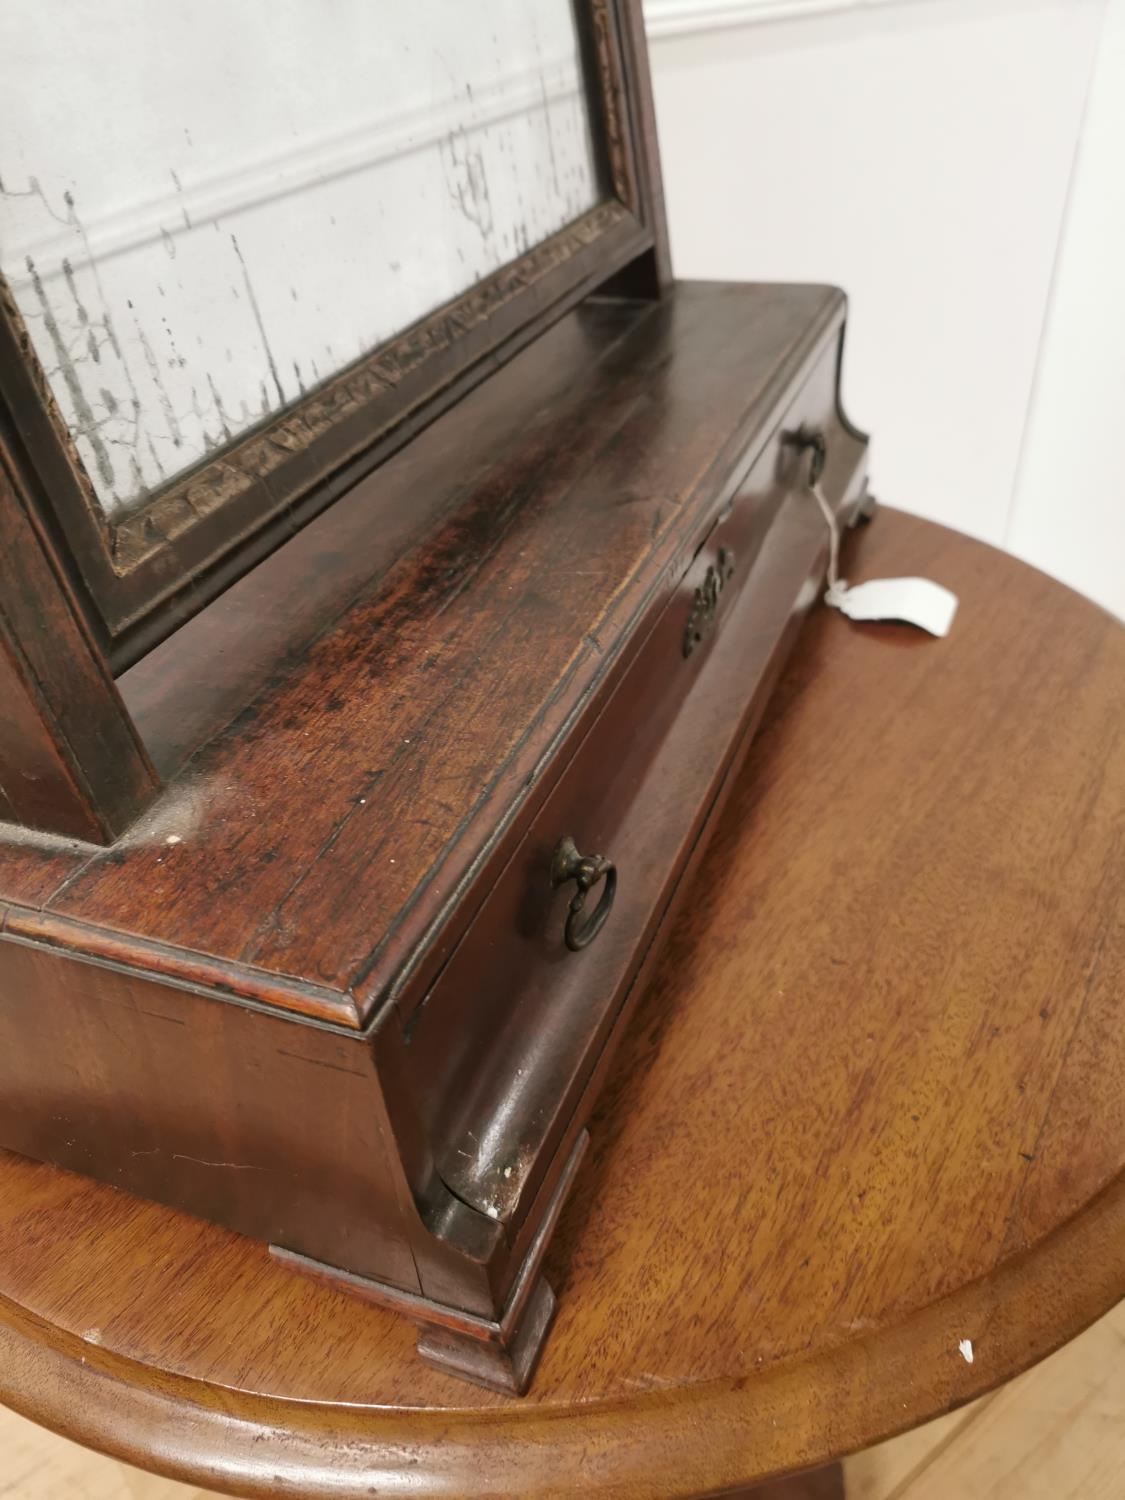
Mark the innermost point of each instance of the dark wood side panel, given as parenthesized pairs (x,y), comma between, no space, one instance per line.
(38,788)
(252,1120)
(70,759)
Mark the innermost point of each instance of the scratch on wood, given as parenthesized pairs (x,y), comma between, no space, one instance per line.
(234,1166)
(318,1062)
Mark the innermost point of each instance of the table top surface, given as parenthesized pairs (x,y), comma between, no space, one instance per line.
(871,1106)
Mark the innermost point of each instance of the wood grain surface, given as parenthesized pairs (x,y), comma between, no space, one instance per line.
(563,500)
(1057,1432)
(873,1104)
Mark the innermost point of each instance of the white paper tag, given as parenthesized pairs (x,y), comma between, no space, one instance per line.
(916,601)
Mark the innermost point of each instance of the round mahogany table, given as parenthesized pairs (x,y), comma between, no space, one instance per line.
(872,1105)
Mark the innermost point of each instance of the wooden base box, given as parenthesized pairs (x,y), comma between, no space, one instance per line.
(436,773)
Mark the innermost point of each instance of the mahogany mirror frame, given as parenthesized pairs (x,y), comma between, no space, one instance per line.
(135,577)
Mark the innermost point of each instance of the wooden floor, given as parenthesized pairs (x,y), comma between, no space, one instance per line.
(1056,1433)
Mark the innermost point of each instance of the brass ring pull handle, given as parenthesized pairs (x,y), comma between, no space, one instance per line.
(586,871)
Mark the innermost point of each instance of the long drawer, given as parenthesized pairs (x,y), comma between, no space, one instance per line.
(510,1031)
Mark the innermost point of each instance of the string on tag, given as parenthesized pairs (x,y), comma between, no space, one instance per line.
(837,586)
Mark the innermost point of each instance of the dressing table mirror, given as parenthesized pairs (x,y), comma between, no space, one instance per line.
(396,562)
(271,244)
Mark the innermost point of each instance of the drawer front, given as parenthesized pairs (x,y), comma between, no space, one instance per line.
(499,1051)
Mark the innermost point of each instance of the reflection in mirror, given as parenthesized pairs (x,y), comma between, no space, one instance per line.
(209,209)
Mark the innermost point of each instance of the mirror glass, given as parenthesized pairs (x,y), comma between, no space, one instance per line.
(207,210)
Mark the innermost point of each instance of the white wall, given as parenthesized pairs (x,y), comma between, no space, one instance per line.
(1069,510)
(920,154)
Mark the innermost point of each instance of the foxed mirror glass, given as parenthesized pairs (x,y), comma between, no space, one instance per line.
(203,220)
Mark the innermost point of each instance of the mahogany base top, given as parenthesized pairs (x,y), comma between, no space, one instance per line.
(872,1105)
